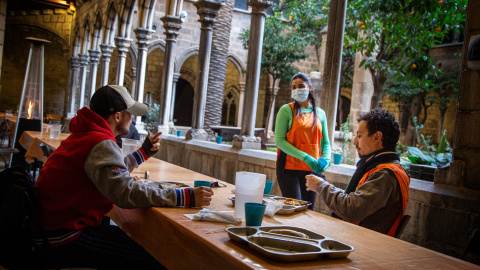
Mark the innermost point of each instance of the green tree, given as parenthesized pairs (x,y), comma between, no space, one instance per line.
(396,35)
(446,86)
(307,19)
(280,49)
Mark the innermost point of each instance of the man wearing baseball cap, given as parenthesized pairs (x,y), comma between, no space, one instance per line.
(82,180)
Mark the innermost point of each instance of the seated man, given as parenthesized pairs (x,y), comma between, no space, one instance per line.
(376,196)
(132,134)
(87,175)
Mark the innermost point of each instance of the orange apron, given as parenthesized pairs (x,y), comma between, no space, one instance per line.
(304,138)
(404,182)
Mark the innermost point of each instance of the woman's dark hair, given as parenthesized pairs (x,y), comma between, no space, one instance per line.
(383,121)
(296,107)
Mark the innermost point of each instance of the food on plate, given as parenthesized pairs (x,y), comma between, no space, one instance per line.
(289,233)
(291,201)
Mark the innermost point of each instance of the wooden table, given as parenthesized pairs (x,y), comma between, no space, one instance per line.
(31,140)
(180,243)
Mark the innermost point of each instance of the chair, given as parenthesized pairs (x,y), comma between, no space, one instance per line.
(53,117)
(401,226)
(473,245)
(4,131)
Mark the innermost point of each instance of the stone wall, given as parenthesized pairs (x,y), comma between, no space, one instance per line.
(50,24)
(442,216)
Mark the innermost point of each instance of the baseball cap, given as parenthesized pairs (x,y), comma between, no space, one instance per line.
(110,99)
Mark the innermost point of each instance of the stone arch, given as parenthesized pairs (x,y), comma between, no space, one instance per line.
(86,36)
(111,24)
(239,65)
(50,35)
(97,32)
(189,77)
(145,13)
(230,105)
(76,43)
(183,57)
(157,44)
(125,19)
(133,53)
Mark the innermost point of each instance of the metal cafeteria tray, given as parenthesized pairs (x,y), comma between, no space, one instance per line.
(162,184)
(286,248)
(286,209)
(303,204)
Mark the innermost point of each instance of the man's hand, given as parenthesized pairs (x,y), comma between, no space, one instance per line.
(312,182)
(203,196)
(151,145)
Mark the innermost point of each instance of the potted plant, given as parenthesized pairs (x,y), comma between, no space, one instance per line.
(337,155)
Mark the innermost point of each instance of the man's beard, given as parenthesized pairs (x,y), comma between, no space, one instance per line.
(122,131)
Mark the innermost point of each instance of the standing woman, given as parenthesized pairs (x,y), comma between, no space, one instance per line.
(301,136)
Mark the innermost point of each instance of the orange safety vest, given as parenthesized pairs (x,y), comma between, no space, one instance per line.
(403,180)
(304,138)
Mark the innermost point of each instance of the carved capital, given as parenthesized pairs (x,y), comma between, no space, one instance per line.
(259,6)
(94,56)
(247,138)
(123,44)
(74,62)
(143,37)
(107,50)
(172,25)
(83,59)
(208,10)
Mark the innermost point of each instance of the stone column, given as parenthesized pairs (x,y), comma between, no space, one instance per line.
(362,91)
(240,104)
(106,55)
(207,10)
(134,82)
(175,78)
(82,78)
(122,44)
(143,36)
(316,78)
(464,169)
(333,61)
(273,87)
(74,68)
(257,24)
(94,60)
(172,25)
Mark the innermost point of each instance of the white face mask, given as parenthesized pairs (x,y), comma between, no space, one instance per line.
(300,94)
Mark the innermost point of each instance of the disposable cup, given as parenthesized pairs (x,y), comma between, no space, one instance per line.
(54,131)
(199,183)
(129,146)
(219,139)
(179,133)
(254,213)
(268,187)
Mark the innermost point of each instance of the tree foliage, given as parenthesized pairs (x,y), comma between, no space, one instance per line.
(281,47)
(396,35)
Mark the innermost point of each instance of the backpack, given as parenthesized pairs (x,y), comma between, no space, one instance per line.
(17,213)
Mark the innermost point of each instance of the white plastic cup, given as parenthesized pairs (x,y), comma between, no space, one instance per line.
(55,131)
(249,187)
(129,146)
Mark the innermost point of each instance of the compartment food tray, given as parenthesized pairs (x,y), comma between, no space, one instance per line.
(162,184)
(289,248)
(286,209)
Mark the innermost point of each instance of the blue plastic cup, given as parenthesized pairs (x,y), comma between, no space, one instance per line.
(200,183)
(219,139)
(268,187)
(254,213)
(179,133)
(337,158)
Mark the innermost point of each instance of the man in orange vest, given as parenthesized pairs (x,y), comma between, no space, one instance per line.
(376,196)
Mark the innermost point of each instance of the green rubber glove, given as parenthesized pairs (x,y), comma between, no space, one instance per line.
(324,164)
(312,163)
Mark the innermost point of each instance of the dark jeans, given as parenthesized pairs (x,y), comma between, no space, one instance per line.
(101,247)
(293,183)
